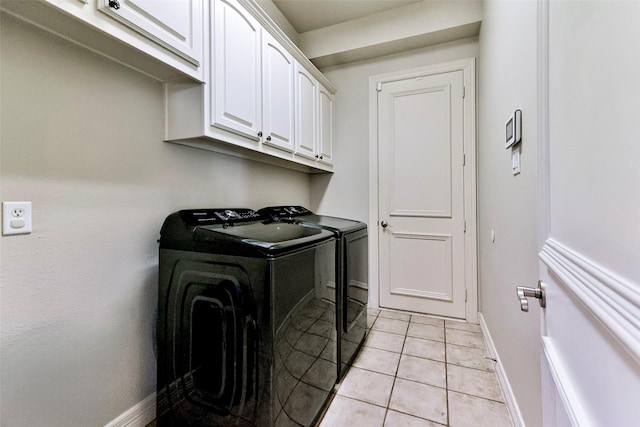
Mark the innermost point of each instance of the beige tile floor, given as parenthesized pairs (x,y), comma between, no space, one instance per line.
(419,371)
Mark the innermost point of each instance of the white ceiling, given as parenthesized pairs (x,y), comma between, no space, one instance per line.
(307,15)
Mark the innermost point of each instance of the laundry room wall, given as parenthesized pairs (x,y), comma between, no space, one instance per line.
(346,192)
(81,138)
(507,80)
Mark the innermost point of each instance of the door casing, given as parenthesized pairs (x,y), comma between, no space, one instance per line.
(467,66)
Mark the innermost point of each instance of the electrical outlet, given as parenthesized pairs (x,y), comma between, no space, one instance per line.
(16,218)
(17,212)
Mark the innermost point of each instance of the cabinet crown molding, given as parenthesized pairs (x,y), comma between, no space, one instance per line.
(267,23)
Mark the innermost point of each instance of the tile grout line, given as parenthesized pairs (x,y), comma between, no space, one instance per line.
(395,376)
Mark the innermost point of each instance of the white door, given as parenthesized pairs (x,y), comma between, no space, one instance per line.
(421,194)
(590,200)
(236,70)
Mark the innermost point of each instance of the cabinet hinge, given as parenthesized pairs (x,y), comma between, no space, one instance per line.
(464,159)
(465,226)
(465,295)
(379,87)
(464,91)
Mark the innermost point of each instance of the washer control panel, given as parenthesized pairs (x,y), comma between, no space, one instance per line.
(196,217)
(276,213)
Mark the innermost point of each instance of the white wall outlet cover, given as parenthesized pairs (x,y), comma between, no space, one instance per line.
(16,218)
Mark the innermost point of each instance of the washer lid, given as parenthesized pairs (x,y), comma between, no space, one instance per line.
(303,216)
(273,237)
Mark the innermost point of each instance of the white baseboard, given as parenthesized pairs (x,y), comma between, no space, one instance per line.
(503,381)
(139,415)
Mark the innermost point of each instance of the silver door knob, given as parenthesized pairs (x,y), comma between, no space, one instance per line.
(384,224)
(524,292)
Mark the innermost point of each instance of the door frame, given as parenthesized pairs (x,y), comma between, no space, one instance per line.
(468,68)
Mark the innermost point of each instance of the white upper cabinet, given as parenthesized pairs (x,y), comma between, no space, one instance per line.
(314,118)
(277,94)
(262,99)
(176,25)
(163,39)
(236,73)
(252,79)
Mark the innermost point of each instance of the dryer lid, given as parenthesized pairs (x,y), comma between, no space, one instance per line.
(339,225)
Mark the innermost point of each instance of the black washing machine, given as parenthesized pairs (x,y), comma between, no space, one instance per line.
(351,272)
(245,333)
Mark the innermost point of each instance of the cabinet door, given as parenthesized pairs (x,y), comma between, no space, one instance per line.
(277,94)
(306,113)
(176,25)
(236,72)
(325,126)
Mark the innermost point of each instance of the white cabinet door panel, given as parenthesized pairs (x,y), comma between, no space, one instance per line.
(174,24)
(278,98)
(325,126)
(306,113)
(236,70)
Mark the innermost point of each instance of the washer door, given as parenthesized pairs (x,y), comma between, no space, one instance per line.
(211,342)
(216,346)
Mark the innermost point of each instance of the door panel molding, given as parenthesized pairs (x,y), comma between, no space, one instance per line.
(612,301)
(423,214)
(440,296)
(424,236)
(433,201)
(584,360)
(467,66)
(413,293)
(441,248)
(564,389)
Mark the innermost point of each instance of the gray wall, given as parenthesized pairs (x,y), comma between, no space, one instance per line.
(507,204)
(82,139)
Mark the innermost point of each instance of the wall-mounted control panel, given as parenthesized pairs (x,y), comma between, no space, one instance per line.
(16,218)
(513,136)
(513,129)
